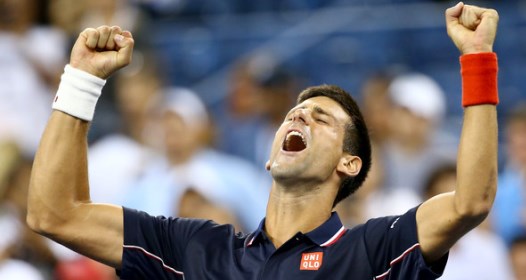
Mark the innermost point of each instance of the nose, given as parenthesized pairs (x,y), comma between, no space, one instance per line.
(300,116)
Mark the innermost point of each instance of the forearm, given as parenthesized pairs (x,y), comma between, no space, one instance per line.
(477,162)
(477,156)
(445,218)
(59,180)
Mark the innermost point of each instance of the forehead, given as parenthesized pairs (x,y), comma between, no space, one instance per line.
(326,104)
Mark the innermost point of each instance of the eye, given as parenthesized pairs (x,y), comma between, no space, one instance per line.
(321,121)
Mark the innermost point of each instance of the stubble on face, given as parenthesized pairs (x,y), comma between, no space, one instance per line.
(321,121)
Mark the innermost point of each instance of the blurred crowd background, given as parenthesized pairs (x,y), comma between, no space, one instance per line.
(185,130)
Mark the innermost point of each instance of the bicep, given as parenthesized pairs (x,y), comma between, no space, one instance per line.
(96,231)
(439,226)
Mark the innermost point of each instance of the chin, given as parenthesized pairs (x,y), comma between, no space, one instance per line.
(285,172)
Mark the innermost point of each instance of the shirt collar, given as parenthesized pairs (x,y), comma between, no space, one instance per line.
(258,233)
(325,235)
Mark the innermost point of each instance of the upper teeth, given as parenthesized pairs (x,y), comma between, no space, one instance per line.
(297,133)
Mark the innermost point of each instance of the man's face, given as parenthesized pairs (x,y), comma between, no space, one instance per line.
(180,140)
(308,144)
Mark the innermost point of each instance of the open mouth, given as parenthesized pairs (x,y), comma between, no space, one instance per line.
(294,142)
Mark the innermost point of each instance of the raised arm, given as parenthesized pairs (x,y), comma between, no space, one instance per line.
(59,204)
(442,220)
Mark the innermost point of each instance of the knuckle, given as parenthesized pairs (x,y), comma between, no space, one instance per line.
(89,31)
(104,28)
(116,29)
(494,13)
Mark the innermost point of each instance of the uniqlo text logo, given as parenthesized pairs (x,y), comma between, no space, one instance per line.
(311,261)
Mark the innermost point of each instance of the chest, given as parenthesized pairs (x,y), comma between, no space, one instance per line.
(296,260)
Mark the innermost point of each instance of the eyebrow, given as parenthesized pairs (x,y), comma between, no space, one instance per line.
(320,110)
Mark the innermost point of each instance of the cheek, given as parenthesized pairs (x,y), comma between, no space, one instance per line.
(277,142)
(331,144)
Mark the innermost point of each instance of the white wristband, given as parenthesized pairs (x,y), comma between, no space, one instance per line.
(78,93)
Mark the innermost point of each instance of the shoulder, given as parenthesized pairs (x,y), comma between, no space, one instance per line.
(391,236)
(138,223)
(387,223)
(380,226)
(158,245)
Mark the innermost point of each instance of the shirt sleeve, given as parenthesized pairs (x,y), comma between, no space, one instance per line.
(154,246)
(394,251)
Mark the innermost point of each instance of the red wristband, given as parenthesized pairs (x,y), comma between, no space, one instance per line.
(479,79)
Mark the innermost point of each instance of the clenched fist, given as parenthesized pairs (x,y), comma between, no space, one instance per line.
(102,51)
(472,28)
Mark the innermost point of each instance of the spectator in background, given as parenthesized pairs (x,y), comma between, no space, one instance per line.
(376,106)
(404,113)
(518,257)
(261,91)
(111,12)
(509,212)
(193,180)
(67,15)
(374,199)
(240,118)
(31,60)
(118,159)
(480,254)
(23,255)
(416,146)
(11,269)
(74,16)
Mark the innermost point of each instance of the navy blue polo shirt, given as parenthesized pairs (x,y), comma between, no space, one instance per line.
(178,248)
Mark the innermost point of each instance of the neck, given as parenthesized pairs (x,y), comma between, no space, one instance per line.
(292,211)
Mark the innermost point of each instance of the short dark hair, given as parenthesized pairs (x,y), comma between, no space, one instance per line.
(356,139)
(436,175)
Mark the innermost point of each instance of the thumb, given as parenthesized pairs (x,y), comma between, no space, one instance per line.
(124,42)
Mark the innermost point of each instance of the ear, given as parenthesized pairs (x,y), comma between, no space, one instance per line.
(349,165)
(267,165)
